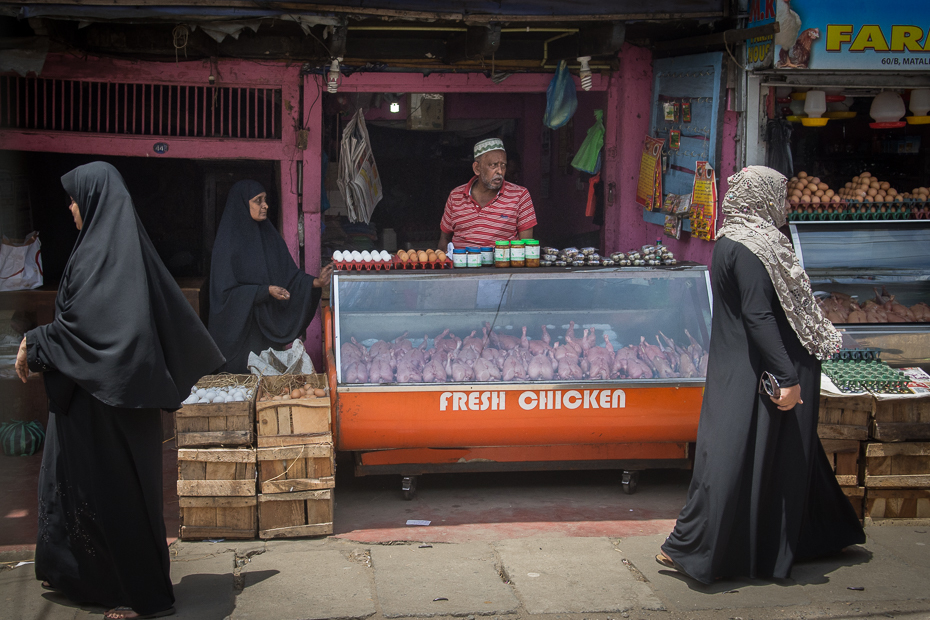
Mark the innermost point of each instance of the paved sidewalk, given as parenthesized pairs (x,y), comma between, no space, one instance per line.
(563,578)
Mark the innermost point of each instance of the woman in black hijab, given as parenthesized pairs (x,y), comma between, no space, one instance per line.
(259,298)
(124,344)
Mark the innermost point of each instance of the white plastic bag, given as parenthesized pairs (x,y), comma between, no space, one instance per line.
(21,263)
(293,361)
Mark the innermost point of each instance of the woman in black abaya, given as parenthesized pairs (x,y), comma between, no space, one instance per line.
(124,344)
(259,298)
(762,495)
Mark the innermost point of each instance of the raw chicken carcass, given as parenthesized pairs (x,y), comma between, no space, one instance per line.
(444,344)
(513,367)
(540,368)
(434,371)
(379,371)
(485,370)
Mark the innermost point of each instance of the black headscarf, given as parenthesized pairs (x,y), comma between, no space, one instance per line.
(123,330)
(248,257)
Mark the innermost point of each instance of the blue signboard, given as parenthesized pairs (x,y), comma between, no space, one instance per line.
(160,147)
(855,36)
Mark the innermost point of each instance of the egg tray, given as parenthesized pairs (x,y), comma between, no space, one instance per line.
(368,265)
(908,209)
(399,264)
(856,354)
(872,374)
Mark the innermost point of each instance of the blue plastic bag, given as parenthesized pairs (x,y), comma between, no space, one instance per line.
(561,100)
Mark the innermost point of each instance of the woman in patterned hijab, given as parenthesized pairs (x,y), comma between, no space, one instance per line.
(763,494)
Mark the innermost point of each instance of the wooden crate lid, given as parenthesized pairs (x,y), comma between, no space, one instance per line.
(217,455)
(897,449)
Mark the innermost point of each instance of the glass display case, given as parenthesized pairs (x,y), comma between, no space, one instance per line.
(484,326)
(873,282)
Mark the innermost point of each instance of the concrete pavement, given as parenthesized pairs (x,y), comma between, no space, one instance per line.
(558,578)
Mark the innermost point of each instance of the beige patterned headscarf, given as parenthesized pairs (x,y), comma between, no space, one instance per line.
(754,210)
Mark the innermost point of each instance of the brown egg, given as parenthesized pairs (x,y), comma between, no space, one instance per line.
(865,174)
(867,199)
(319,392)
(872,192)
(805,198)
(819,193)
(835,199)
(815,200)
(892,191)
(823,186)
(794,200)
(874,185)
(441,256)
(431,256)
(793,179)
(802,175)
(885,185)
(412,256)
(296,393)
(402,256)
(815,180)
(855,180)
(848,185)
(899,198)
(829,193)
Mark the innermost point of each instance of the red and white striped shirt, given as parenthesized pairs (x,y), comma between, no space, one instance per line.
(505,217)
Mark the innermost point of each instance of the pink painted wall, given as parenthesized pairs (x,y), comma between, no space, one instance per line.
(629,100)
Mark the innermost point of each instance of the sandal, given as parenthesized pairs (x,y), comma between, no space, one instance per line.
(49,586)
(668,562)
(120,613)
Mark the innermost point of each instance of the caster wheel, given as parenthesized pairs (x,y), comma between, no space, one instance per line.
(408,487)
(629,481)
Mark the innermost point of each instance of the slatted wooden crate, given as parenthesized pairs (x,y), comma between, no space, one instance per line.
(292,515)
(898,505)
(218,517)
(217,493)
(856,497)
(897,465)
(906,419)
(845,417)
(843,455)
(294,421)
(218,424)
(296,468)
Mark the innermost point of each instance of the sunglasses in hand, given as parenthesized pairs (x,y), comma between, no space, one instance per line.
(769,385)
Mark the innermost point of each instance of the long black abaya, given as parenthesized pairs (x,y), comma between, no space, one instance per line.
(762,495)
(124,344)
(248,257)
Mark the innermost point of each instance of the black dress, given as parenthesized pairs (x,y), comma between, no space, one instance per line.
(248,257)
(762,495)
(124,344)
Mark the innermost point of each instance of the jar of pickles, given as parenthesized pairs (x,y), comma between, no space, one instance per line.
(531,251)
(517,253)
(502,254)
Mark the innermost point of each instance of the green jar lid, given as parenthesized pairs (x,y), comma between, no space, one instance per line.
(517,242)
(531,241)
(501,243)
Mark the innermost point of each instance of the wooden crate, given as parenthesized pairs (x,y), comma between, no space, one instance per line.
(845,417)
(221,424)
(291,515)
(219,517)
(897,505)
(897,465)
(216,472)
(843,455)
(906,419)
(856,497)
(292,422)
(287,469)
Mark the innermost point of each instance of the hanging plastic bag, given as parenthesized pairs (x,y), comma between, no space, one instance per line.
(587,159)
(561,101)
(21,263)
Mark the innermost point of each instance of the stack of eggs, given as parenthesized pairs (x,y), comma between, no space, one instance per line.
(867,188)
(349,259)
(806,190)
(225,394)
(421,256)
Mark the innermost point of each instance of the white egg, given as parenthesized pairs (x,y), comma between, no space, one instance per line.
(356,255)
(190,400)
(347,257)
(237,397)
(366,255)
(210,395)
(203,400)
(385,255)
(337,255)
(201,392)
(220,398)
(375,256)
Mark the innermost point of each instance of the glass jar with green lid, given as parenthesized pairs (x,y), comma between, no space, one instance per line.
(517,253)
(502,254)
(531,252)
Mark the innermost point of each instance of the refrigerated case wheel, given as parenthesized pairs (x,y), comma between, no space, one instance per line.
(408,487)
(629,481)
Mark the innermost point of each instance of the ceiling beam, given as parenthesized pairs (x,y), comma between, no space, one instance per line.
(476,42)
(599,40)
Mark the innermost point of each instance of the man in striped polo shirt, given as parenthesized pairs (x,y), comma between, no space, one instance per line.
(487,208)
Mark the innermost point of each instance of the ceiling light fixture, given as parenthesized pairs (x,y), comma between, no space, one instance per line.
(332,82)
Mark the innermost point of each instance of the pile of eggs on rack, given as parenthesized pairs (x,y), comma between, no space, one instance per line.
(354,256)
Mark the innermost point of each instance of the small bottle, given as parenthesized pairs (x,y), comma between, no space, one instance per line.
(517,253)
(473,257)
(531,252)
(487,257)
(459,259)
(502,254)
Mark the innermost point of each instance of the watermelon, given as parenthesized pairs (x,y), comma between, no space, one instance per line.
(20,438)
